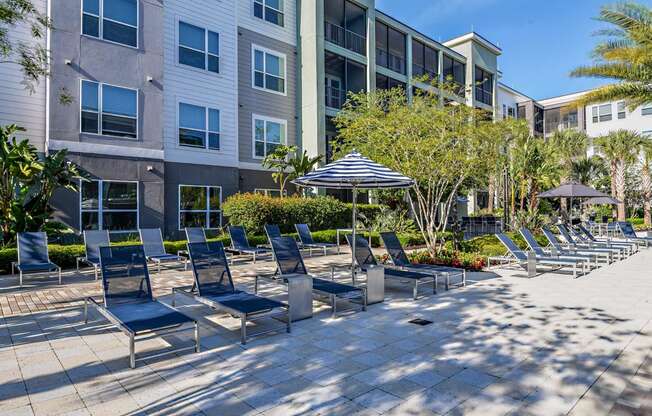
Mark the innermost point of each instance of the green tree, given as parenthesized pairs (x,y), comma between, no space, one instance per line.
(590,171)
(621,148)
(626,56)
(646,181)
(31,56)
(568,145)
(435,145)
(27,184)
(289,165)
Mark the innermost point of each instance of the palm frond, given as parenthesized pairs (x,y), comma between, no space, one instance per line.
(634,94)
(620,71)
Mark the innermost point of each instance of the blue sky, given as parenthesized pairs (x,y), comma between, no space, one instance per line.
(542,40)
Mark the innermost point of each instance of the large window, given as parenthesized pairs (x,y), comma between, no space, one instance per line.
(386,83)
(621,110)
(647,110)
(200,206)
(112,20)
(600,113)
(199,48)
(484,86)
(390,48)
(109,205)
(268,70)
(269,10)
(269,133)
(109,110)
(454,72)
(425,60)
(199,126)
(345,24)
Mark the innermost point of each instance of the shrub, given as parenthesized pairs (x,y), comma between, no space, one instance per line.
(253,211)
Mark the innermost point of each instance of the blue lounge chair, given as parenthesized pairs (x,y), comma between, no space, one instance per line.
(195,235)
(240,243)
(564,254)
(628,231)
(128,302)
(33,256)
(152,241)
(272,231)
(305,237)
(561,248)
(400,259)
(577,244)
(213,287)
(364,258)
(93,240)
(521,257)
(289,261)
(628,245)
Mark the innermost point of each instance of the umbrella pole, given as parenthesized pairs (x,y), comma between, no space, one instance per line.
(353,224)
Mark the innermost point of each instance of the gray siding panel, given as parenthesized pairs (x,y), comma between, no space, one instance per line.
(254,101)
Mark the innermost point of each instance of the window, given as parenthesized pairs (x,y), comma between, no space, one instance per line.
(387,83)
(484,86)
(511,112)
(425,60)
(390,48)
(200,206)
(109,205)
(268,135)
(621,110)
(268,70)
(113,20)
(109,110)
(601,113)
(199,48)
(647,133)
(345,24)
(269,10)
(455,72)
(274,193)
(199,126)
(646,111)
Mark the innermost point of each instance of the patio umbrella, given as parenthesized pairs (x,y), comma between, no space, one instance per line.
(601,200)
(572,190)
(354,172)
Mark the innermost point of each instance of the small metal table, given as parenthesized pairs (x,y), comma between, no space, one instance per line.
(350,230)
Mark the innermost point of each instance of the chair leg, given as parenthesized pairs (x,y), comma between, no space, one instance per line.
(20,278)
(333,305)
(85,310)
(243,329)
(77,261)
(197,346)
(254,258)
(415,290)
(174,298)
(59,275)
(96,272)
(132,351)
(364,299)
(464,278)
(159,268)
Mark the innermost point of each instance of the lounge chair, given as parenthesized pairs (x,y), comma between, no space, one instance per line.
(240,243)
(152,241)
(629,233)
(522,258)
(93,240)
(128,302)
(562,254)
(576,243)
(629,245)
(400,259)
(213,287)
(561,248)
(364,258)
(33,256)
(305,236)
(272,231)
(289,261)
(193,235)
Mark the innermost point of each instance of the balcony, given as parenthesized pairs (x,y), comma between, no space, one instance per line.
(390,61)
(335,97)
(418,70)
(485,97)
(345,38)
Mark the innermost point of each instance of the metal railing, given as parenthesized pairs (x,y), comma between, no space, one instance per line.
(418,70)
(345,38)
(394,62)
(483,96)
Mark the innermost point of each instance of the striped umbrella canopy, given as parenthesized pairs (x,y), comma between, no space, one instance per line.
(354,172)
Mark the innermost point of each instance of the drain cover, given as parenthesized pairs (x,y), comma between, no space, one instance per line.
(419,321)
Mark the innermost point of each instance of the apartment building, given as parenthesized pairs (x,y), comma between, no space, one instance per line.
(176,103)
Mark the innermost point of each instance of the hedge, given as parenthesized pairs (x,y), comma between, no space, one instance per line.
(253,211)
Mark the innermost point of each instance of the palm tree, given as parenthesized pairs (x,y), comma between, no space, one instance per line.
(568,146)
(621,148)
(625,56)
(646,181)
(590,171)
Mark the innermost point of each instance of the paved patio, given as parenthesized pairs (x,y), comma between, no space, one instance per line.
(503,345)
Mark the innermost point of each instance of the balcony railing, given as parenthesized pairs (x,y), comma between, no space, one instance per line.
(418,70)
(335,97)
(345,38)
(390,61)
(483,96)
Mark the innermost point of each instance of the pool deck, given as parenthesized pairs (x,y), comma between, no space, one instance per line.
(505,344)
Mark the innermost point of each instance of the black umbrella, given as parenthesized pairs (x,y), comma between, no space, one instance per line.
(601,200)
(572,190)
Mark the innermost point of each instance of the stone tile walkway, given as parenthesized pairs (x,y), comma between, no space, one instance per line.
(504,345)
